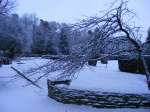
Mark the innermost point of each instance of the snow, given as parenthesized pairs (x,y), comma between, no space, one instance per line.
(15,96)
(110,79)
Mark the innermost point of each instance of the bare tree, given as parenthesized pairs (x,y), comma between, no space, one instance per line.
(113,27)
(6,6)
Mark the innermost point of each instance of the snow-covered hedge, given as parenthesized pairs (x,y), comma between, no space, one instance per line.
(98,99)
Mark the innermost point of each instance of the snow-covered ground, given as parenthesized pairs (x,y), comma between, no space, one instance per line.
(14,97)
(110,79)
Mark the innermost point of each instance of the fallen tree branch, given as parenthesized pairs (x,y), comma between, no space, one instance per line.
(23,76)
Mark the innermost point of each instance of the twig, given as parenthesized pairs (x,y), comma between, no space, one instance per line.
(23,76)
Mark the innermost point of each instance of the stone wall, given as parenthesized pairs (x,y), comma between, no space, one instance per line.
(98,99)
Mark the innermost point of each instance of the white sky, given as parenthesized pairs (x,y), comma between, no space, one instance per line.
(71,10)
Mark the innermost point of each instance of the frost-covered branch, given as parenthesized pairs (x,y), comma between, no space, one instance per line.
(110,31)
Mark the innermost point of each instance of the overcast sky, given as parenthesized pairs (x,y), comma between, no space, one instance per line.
(71,10)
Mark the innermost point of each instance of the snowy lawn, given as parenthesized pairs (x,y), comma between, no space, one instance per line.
(16,98)
(110,79)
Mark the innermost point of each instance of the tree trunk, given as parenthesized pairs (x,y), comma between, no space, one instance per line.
(145,68)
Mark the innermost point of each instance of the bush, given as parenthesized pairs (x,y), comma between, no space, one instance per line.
(104,61)
(92,62)
(5,61)
(133,66)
